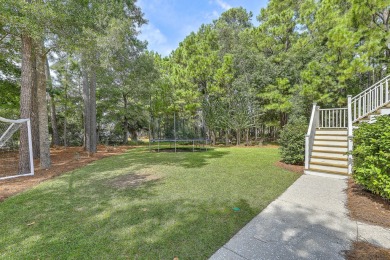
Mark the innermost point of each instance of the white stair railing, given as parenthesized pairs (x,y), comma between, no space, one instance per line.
(309,137)
(350,134)
(370,100)
(333,118)
(359,106)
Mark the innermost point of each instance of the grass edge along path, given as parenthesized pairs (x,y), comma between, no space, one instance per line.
(143,205)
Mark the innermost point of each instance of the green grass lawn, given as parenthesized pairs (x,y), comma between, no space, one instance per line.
(143,205)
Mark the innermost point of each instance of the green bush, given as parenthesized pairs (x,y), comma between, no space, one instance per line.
(371,155)
(292,141)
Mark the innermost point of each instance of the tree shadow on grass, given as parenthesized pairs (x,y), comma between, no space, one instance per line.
(110,223)
(140,159)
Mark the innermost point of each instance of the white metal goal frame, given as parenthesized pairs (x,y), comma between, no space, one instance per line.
(6,135)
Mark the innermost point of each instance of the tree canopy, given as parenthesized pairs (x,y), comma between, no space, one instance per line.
(245,80)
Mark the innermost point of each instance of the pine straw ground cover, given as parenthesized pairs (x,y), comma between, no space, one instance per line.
(63,160)
(372,209)
(143,205)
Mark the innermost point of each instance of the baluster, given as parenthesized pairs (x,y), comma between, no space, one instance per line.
(364,104)
(327,118)
(369,102)
(344,115)
(387,91)
(333,119)
(377,97)
(371,99)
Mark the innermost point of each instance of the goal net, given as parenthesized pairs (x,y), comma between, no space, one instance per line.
(16,158)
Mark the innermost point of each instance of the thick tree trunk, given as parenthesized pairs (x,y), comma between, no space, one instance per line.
(213,138)
(134,135)
(34,106)
(238,136)
(92,103)
(87,113)
(25,102)
(227,142)
(53,115)
(44,141)
(125,131)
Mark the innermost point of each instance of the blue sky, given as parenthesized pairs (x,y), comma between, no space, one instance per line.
(170,21)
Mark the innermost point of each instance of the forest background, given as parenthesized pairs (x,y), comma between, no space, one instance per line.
(80,72)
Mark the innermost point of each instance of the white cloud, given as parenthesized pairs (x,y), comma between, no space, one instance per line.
(157,41)
(152,34)
(223,4)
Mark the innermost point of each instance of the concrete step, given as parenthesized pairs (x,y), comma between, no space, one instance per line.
(331,142)
(328,168)
(329,161)
(327,173)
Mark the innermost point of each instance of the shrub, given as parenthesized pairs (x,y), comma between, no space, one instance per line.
(371,155)
(292,141)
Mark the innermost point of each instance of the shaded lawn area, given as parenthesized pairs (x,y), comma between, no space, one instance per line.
(143,205)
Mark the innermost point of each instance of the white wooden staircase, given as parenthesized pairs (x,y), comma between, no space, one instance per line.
(329,137)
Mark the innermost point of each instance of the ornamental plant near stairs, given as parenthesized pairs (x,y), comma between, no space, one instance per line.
(372,156)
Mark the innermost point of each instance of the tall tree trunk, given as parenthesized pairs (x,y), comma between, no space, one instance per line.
(92,103)
(34,105)
(66,116)
(44,140)
(213,138)
(53,116)
(247,136)
(87,113)
(238,136)
(227,137)
(125,121)
(134,135)
(25,102)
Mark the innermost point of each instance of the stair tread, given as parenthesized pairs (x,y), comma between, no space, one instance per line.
(332,145)
(327,171)
(329,158)
(327,151)
(329,164)
(332,134)
(331,140)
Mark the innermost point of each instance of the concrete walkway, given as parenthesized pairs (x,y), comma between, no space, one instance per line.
(308,221)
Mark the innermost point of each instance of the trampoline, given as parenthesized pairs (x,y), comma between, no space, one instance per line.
(181,131)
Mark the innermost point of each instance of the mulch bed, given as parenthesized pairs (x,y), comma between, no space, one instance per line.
(362,251)
(63,160)
(367,207)
(290,167)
